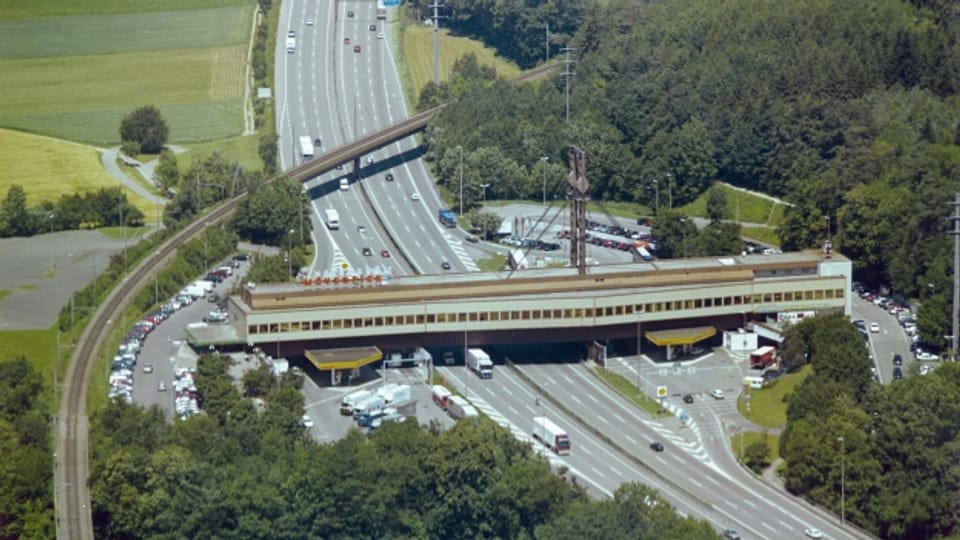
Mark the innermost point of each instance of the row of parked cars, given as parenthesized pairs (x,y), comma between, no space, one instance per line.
(124,364)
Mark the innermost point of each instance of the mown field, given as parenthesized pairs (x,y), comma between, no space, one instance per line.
(417,57)
(48,168)
(75,76)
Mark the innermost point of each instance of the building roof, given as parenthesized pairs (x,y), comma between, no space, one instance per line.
(680,336)
(344,358)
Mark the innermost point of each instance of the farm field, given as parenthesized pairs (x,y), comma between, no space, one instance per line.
(75,76)
(48,168)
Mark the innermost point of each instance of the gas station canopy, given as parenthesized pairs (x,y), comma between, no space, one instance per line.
(680,336)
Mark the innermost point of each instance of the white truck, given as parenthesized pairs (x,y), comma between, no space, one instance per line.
(395,394)
(552,435)
(291,44)
(197,289)
(332,218)
(350,401)
(369,405)
(456,406)
(479,362)
(306,148)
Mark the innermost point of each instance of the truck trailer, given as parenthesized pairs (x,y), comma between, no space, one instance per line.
(369,405)
(479,362)
(440,396)
(395,394)
(459,407)
(552,435)
(350,401)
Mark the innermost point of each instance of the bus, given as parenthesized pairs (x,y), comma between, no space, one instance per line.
(763,357)
(306,148)
(381,10)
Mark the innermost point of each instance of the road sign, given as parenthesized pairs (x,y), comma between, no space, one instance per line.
(661,391)
(684,416)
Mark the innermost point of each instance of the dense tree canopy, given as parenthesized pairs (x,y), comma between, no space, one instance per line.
(239,473)
(103,208)
(898,443)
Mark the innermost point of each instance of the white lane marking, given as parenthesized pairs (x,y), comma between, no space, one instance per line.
(694,482)
(750,503)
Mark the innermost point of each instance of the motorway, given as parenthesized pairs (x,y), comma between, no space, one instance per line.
(326,90)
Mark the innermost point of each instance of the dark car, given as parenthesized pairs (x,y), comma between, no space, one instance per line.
(373,28)
(445,265)
(897,373)
(385,254)
(731,534)
(349,14)
(656,446)
(687,398)
(317,142)
(367,252)
(389,177)
(473,239)
(897,360)
(356,48)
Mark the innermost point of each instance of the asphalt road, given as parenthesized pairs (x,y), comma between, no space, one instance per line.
(890,340)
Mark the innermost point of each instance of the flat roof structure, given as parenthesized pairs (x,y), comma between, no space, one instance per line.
(343,358)
(358,307)
(680,336)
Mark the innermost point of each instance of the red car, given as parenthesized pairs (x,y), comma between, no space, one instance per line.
(385,254)
(356,48)
(346,41)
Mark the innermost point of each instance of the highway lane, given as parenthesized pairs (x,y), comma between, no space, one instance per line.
(736,499)
(755,507)
(595,465)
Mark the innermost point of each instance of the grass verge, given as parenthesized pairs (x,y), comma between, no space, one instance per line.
(744,439)
(768,406)
(417,57)
(242,147)
(761,234)
(629,391)
(492,263)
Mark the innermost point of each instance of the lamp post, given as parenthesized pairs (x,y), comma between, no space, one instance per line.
(656,187)
(843,494)
(460,148)
(545,159)
(670,182)
(289,253)
(828,231)
(303,191)
(484,188)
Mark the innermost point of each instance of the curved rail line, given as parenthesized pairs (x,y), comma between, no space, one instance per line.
(71,460)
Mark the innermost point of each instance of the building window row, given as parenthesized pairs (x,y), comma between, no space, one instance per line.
(544,314)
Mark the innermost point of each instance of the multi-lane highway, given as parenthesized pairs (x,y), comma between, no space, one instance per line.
(342,83)
(701,480)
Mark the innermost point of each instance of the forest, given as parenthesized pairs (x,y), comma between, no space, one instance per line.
(890,454)
(848,109)
(240,472)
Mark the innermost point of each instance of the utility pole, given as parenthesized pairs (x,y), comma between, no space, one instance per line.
(955,232)
(547,43)
(544,159)
(436,5)
(460,148)
(568,73)
(843,477)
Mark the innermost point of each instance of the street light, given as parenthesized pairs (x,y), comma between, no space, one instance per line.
(460,148)
(484,188)
(843,495)
(827,248)
(670,191)
(303,191)
(545,159)
(289,254)
(656,186)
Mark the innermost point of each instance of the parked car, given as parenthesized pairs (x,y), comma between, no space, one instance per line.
(162,387)
(385,253)
(148,368)
(716,393)
(372,27)
(306,421)
(897,373)
(688,398)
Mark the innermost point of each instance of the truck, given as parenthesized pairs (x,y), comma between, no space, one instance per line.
(291,44)
(332,218)
(552,435)
(395,394)
(369,405)
(763,357)
(440,395)
(367,419)
(197,289)
(456,406)
(306,148)
(447,219)
(350,401)
(479,362)
(381,10)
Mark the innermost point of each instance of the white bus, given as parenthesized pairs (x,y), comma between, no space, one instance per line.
(306,148)
(332,218)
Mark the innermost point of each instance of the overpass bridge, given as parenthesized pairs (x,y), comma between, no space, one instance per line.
(533,305)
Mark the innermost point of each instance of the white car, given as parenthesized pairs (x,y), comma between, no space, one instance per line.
(813,533)
(875,327)
(306,421)
(379,35)
(309,22)
(716,393)
(148,368)
(414,196)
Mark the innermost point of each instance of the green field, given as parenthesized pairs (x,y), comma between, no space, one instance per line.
(243,147)
(48,168)
(74,77)
(25,9)
(745,439)
(417,57)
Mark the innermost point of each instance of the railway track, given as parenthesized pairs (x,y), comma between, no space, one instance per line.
(71,457)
